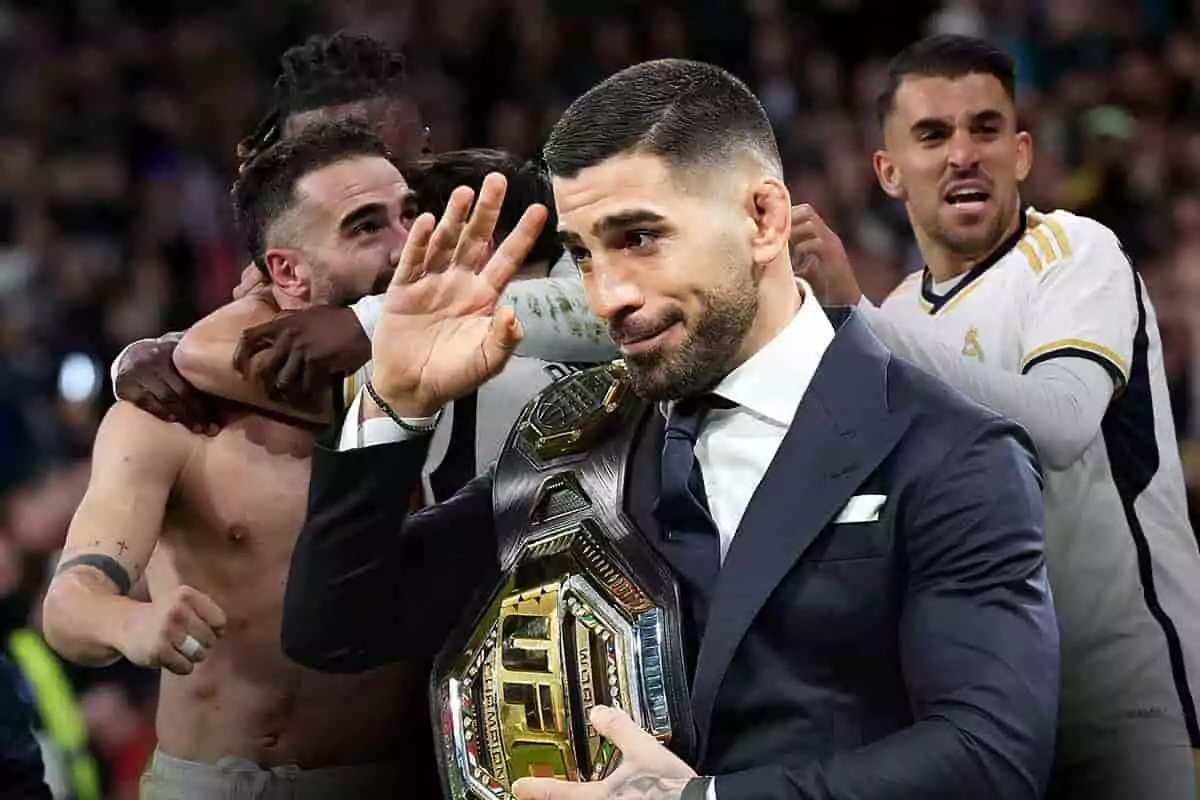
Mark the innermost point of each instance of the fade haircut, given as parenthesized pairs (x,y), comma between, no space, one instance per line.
(328,71)
(947,56)
(433,180)
(688,113)
(266,188)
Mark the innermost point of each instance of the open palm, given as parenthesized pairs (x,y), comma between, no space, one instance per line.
(440,334)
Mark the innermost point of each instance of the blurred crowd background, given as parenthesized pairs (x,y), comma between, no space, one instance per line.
(118,122)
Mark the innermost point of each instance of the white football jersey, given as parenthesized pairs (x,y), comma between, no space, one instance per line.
(1121,554)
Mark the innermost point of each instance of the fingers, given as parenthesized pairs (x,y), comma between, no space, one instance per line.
(168,390)
(206,410)
(476,239)
(805,213)
(620,729)
(146,399)
(266,368)
(412,258)
(185,639)
(205,607)
(174,661)
(809,234)
(182,621)
(446,236)
(553,789)
(198,637)
(252,341)
(183,402)
(513,251)
(289,381)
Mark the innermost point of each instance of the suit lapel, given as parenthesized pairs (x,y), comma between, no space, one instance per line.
(645,476)
(842,431)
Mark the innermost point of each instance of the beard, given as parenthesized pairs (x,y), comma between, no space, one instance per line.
(705,355)
(975,241)
(326,291)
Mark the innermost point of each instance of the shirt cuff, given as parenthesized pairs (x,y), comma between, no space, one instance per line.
(358,432)
(367,310)
(711,794)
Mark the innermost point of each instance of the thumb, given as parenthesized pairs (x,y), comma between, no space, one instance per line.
(619,728)
(537,789)
(503,337)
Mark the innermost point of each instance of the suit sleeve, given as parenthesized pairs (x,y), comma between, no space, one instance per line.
(979,647)
(370,583)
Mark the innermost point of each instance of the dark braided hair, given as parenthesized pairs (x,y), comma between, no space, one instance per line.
(327,71)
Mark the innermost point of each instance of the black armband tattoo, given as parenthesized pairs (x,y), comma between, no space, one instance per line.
(108,565)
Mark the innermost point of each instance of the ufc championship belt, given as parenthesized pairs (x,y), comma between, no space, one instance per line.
(586,613)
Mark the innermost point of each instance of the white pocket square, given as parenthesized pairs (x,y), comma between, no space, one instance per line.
(862,508)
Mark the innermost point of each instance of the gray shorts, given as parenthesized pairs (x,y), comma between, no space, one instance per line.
(170,778)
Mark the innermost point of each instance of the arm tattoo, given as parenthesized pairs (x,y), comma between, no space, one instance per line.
(109,566)
(649,787)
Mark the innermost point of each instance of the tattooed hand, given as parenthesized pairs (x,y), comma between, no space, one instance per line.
(648,771)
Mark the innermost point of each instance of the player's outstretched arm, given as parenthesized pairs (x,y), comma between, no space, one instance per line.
(553,314)
(88,616)
(557,323)
(206,358)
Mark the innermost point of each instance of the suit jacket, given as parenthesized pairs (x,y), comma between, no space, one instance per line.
(912,654)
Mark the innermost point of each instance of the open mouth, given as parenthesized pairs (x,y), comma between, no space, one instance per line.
(967,197)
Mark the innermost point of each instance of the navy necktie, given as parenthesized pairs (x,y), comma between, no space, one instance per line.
(682,508)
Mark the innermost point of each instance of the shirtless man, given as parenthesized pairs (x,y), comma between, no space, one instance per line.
(211,522)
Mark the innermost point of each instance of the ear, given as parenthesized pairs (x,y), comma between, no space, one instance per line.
(771,211)
(1024,154)
(888,175)
(289,273)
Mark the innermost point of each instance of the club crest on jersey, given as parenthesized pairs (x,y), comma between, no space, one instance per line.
(971,347)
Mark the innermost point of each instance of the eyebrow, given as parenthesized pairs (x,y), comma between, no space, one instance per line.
(934,123)
(615,222)
(362,214)
(372,210)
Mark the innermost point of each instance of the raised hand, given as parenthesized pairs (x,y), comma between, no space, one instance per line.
(147,377)
(295,354)
(440,334)
(819,257)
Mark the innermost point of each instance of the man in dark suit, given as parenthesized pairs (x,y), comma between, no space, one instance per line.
(858,547)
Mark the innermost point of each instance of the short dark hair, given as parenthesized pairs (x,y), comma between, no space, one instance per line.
(434,179)
(266,187)
(946,56)
(685,112)
(328,71)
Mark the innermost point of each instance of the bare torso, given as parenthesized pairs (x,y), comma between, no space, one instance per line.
(229,531)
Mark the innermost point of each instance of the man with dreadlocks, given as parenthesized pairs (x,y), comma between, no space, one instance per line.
(324,79)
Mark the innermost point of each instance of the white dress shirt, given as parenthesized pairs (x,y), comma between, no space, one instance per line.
(735,446)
